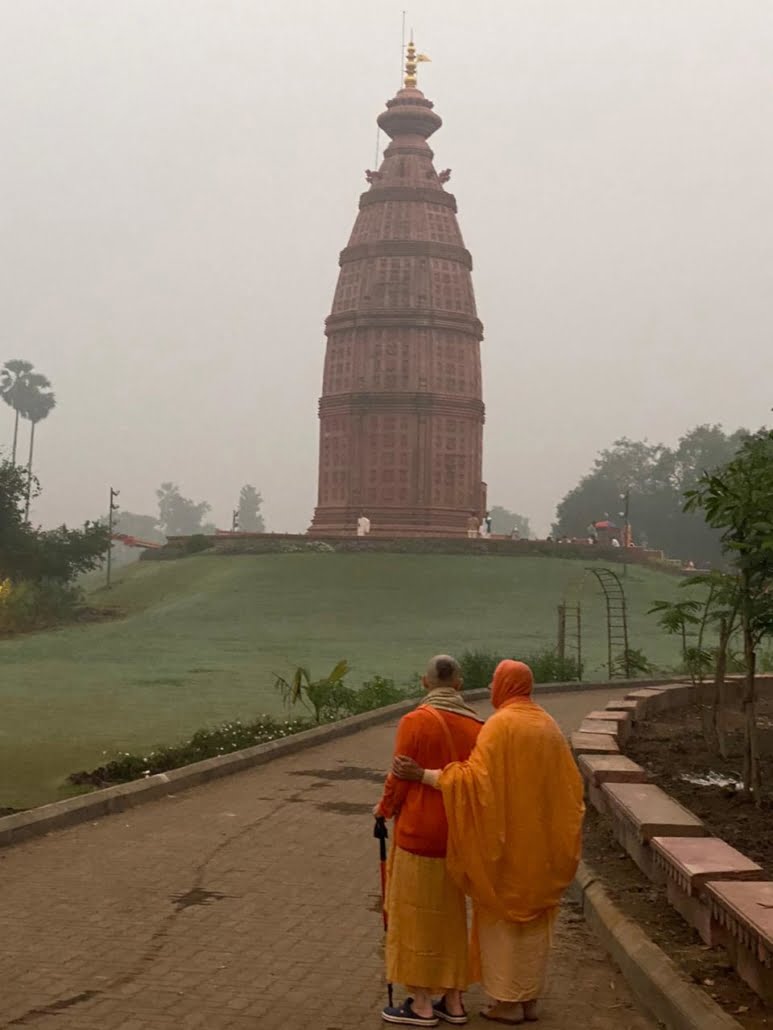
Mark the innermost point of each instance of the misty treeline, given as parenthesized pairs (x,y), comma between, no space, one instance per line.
(28,393)
(657,478)
(505,523)
(181,516)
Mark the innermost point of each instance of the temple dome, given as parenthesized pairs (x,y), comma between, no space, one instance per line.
(409,113)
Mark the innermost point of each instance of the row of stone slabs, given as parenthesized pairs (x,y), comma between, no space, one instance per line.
(718,890)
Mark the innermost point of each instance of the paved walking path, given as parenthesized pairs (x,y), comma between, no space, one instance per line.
(249,902)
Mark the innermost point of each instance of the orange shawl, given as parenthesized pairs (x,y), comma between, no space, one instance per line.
(515,807)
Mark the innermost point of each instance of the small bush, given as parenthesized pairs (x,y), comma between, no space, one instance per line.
(26,606)
(549,667)
(197,543)
(206,743)
(633,662)
(330,699)
(478,667)
(378,693)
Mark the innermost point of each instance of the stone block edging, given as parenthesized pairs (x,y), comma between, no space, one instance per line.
(650,973)
(37,822)
(705,908)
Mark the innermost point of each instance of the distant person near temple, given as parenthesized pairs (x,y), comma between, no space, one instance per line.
(363,525)
(487,520)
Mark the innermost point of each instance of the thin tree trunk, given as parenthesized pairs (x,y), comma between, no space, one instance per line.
(720,699)
(687,663)
(751,763)
(702,631)
(29,473)
(15,435)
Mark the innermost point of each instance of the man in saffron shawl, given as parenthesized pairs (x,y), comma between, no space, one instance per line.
(515,812)
(426,948)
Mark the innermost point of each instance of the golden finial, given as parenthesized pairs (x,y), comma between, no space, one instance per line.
(412,60)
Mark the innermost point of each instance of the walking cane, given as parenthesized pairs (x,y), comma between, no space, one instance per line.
(381,834)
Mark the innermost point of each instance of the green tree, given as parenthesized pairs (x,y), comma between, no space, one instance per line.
(656,478)
(720,609)
(143,527)
(250,517)
(33,555)
(503,522)
(178,515)
(680,618)
(737,500)
(40,405)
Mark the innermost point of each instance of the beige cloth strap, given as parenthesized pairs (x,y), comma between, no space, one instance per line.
(449,739)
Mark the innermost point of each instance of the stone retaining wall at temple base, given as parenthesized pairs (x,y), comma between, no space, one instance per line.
(719,891)
(431,543)
(60,814)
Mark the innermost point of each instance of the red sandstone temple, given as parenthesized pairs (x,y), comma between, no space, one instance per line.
(401,414)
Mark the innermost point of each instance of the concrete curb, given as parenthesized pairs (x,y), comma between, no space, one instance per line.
(60,814)
(650,973)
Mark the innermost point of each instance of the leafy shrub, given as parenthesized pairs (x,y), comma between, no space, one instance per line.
(206,743)
(633,662)
(197,543)
(334,701)
(549,667)
(326,697)
(697,661)
(378,693)
(330,698)
(478,667)
(34,605)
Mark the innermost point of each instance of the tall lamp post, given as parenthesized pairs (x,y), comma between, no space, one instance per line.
(234,520)
(624,514)
(113,508)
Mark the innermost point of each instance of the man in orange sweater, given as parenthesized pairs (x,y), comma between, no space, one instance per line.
(426,947)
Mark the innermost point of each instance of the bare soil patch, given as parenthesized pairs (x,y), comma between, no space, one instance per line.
(647,905)
(672,747)
(673,750)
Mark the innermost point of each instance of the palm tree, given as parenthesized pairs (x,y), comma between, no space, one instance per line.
(15,390)
(39,406)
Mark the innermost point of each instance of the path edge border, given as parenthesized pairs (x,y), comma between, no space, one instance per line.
(59,815)
(652,976)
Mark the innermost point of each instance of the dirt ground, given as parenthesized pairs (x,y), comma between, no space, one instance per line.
(645,903)
(671,747)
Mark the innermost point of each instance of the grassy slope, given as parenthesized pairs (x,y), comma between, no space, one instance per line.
(204,635)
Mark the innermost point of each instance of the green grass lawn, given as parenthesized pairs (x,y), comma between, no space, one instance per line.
(203,636)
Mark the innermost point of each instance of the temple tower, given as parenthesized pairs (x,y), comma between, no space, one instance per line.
(401,413)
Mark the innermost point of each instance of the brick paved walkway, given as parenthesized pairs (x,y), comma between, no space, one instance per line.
(249,902)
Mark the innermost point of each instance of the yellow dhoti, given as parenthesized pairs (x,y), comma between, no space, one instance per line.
(510,959)
(427,930)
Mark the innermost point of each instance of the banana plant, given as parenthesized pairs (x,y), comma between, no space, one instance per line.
(326,697)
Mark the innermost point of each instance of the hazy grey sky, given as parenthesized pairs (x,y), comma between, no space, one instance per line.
(178,177)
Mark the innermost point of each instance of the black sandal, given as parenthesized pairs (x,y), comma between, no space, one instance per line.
(440,1008)
(405,1016)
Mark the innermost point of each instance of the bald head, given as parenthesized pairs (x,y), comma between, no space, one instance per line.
(443,671)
